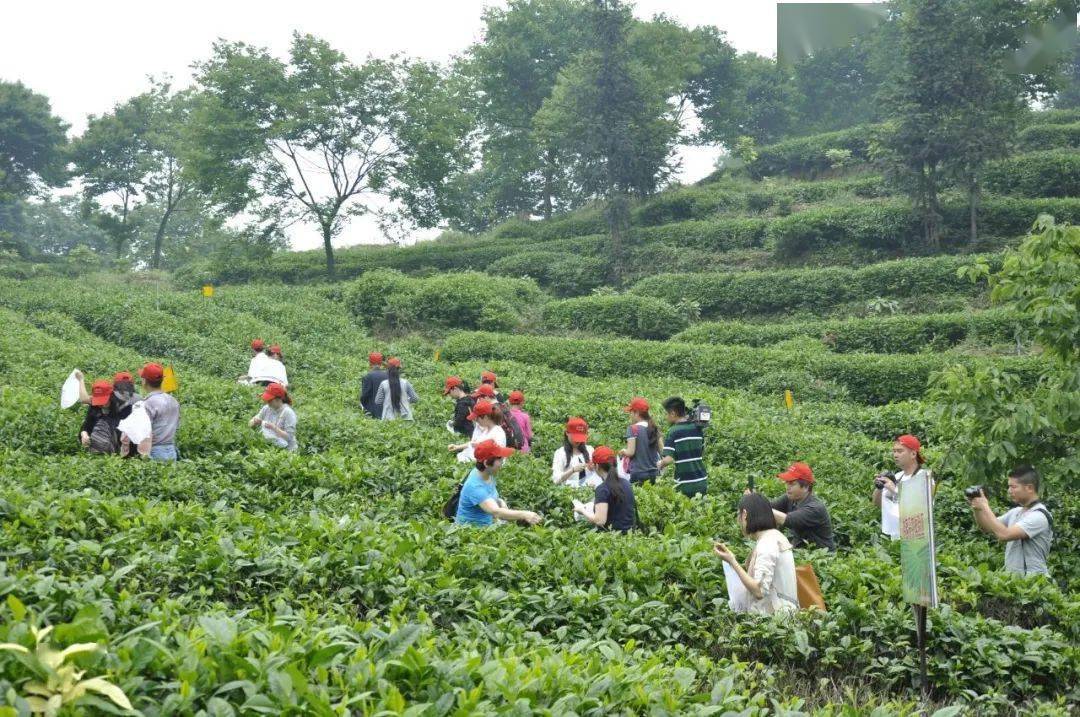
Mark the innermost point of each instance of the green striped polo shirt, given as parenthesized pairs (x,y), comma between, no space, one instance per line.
(685,442)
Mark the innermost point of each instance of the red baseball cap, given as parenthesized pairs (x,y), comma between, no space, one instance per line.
(273,390)
(488,377)
(638,404)
(604,455)
(485,390)
(275,349)
(258,345)
(452,382)
(393,361)
(374,358)
(517,398)
(100,393)
(152,372)
(577,430)
(122,376)
(482,408)
(911,443)
(486,450)
(797,471)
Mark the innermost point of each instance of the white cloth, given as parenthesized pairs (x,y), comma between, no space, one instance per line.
(479,435)
(559,465)
(69,392)
(773,564)
(890,503)
(264,368)
(738,595)
(137,425)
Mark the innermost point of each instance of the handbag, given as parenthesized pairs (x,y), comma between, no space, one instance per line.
(809,588)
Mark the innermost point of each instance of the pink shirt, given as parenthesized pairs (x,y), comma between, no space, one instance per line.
(525,422)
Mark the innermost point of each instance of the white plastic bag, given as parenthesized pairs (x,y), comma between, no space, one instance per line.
(264,368)
(137,425)
(69,392)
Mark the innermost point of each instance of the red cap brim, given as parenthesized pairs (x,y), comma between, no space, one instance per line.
(578,437)
(267,396)
(99,401)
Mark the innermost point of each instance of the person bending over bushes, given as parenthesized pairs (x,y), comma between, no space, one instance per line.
(571,465)
(801,512)
(769,575)
(396,395)
(684,446)
(614,507)
(479,502)
(277,418)
(486,427)
(517,412)
(458,390)
(1027,530)
(643,443)
(907,454)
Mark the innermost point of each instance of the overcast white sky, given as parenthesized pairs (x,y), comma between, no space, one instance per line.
(88,56)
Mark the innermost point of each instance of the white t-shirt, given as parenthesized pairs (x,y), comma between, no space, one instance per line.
(890,503)
(479,435)
(559,466)
(284,419)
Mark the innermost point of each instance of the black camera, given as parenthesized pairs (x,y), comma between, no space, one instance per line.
(880,478)
(974,491)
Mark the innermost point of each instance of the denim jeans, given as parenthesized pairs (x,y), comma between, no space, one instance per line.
(165,452)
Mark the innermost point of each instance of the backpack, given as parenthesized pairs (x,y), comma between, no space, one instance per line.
(449,510)
(103,436)
(515,438)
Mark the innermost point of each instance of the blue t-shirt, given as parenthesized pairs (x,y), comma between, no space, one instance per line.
(475,491)
(643,462)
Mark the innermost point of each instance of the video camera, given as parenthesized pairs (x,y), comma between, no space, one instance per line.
(700,413)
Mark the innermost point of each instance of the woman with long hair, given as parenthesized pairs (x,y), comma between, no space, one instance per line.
(277,419)
(643,443)
(614,507)
(570,464)
(486,421)
(769,575)
(396,394)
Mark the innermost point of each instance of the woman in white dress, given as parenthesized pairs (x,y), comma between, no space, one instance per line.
(769,575)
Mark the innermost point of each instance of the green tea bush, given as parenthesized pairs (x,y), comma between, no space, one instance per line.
(805,157)
(460,300)
(1050,136)
(639,317)
(563,274)
(887,334)
(724,295)
(683,203)
(722,234)
(1052,116)
(1053,173)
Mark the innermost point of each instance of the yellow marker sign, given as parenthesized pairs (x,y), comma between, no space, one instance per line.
(438,352)
(168,380)
(208,291)
(789,399)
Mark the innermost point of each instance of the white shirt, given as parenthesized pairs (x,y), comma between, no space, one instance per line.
(559,466)
(772,563)
(479,435)
(890,503)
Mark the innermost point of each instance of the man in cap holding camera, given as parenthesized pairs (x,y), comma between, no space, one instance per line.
(1027,530)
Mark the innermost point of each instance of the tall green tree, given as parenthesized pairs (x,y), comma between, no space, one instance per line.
(134,155)
(315,139)
(32,142)
(612,119)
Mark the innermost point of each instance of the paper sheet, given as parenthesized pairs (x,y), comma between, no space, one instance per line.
(738,596)
(69,392)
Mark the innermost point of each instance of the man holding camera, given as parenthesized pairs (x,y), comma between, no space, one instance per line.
(1027,530)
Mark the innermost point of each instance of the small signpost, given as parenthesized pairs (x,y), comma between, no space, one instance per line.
(789,399)
(918,556)
(208,291)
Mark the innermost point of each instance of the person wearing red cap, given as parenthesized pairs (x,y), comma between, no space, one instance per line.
(907,454)
(277,419)
(257,346)
(478,501)
(613,506)
(571,464)
(396,395)
(99,433)
(517,413)
(369,385)
(801,512)
(643,443)
(274,352)
(164,413)
(458,390)
(487,378)
(486,427)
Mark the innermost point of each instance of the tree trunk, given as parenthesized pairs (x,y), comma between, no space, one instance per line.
(329,247)
(933,208)
(617,216)
(159,238)
(973,204)
(549,181)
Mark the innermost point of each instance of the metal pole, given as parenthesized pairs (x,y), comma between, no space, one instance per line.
(920,631)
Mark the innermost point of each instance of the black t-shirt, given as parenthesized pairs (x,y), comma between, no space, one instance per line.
(462,408)
(807,521)
(622,512)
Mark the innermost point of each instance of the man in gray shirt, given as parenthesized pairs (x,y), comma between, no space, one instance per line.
(1027,530)
(164,413)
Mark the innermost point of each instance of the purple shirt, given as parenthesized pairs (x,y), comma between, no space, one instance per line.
(525,422)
